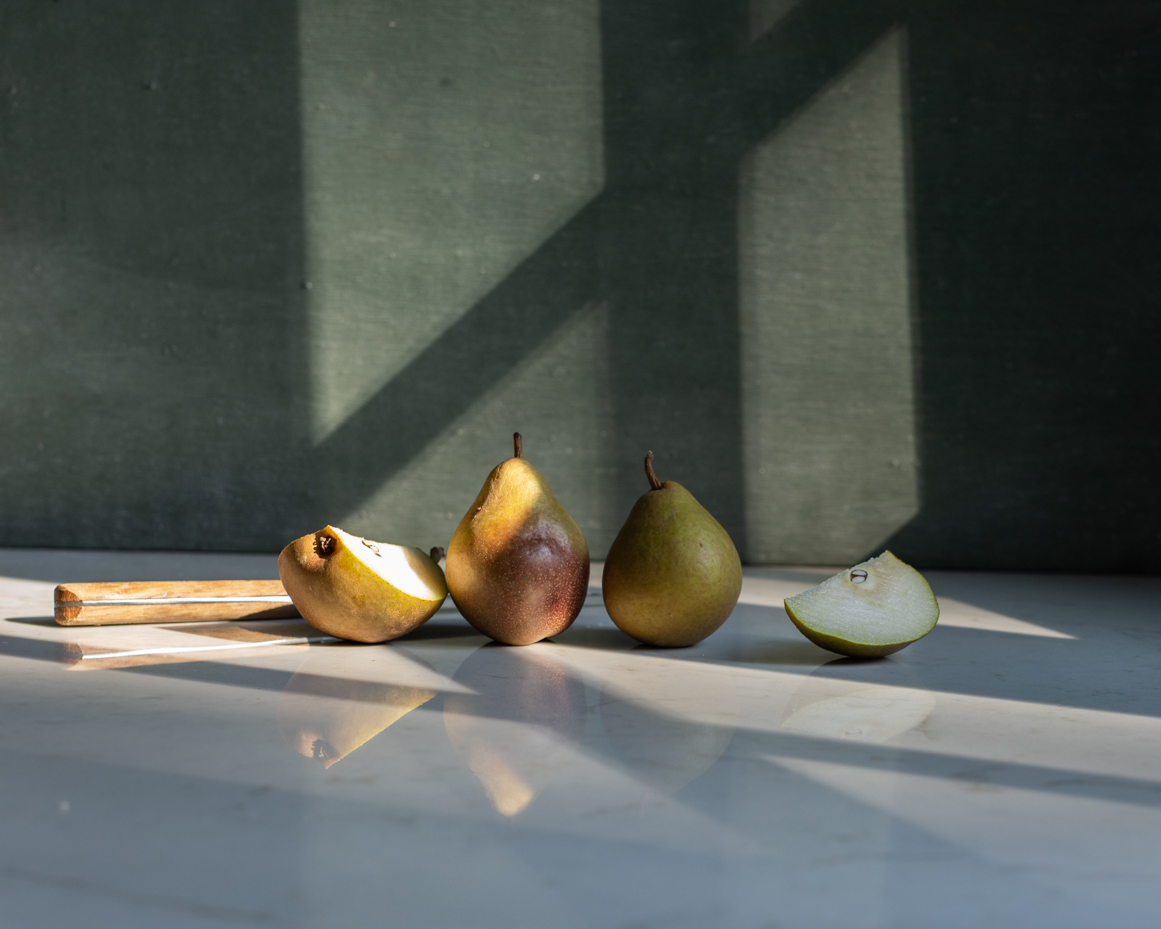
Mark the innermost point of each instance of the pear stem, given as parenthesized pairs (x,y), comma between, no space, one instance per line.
(518,443)
(436,554)
(653,482)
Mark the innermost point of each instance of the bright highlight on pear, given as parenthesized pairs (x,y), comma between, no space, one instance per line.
(356,589)
(518,565)
(871,610)
(672,576)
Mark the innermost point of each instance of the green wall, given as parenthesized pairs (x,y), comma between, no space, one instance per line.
(859,273)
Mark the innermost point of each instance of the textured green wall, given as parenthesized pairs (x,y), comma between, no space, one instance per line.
(860,273)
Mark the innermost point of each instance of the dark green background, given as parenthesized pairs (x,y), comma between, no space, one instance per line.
(860,273)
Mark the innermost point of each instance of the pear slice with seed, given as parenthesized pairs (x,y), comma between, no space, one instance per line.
(353,588)
(873,609)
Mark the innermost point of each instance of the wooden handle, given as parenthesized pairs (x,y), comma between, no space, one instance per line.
(170,602)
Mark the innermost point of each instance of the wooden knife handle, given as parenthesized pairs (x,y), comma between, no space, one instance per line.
(170,602)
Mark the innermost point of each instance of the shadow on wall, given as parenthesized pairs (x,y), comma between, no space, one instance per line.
(679,278)
(685,95)
(151,348)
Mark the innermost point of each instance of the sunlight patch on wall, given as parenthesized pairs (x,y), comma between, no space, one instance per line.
(764,14)
(828,406)
(442,143)
(558,399)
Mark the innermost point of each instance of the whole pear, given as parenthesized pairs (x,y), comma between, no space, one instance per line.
(518,565)
(672,576)
(353,588)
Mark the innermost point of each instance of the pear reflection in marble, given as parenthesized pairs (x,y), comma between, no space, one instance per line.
(521,726)
(668,721)
(342,696)
(855,706)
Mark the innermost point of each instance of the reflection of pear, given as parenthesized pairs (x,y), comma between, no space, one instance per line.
(520,727)
(327,717)
(866,711)
(673,724)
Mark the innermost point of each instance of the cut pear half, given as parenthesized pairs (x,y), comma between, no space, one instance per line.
(873,609)
(353,588)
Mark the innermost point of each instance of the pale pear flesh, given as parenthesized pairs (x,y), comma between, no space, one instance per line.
(353,588)
(518,564)
(870,610)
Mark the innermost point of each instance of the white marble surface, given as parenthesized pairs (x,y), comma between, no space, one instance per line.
(1004,771)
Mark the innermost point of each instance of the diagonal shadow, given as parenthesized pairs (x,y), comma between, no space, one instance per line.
(685,96)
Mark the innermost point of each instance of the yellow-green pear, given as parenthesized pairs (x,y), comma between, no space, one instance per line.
(353,588)
(873,609)
(518,565)
(672,576)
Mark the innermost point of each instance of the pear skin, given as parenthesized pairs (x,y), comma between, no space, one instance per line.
(360,590)
(673,575)
(518,565)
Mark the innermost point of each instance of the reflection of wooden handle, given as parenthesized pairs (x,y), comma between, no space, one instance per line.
(170,602)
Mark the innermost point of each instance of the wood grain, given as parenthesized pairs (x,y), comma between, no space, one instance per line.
(119,603)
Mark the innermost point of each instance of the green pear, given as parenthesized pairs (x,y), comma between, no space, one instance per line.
(873,609)
(356,589)
(672,576)
(518,566)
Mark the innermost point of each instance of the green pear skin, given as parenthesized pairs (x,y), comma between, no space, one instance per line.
(673,575)
(518,565)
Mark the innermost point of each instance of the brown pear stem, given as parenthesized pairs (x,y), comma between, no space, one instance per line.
(653,482)
(518,443)
(436,554)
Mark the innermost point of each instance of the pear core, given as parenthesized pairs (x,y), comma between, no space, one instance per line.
(353,588)
(404,568)
(872,609)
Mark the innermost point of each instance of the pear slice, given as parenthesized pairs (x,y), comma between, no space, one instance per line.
(873,609)
(353,588)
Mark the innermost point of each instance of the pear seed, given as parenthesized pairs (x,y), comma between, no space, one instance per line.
(858,576)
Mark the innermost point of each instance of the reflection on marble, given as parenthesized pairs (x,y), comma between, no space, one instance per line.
(326,717)
(833,708)
(668,721)
(521,724)
(989,774)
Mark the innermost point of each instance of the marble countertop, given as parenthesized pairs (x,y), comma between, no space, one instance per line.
(1003,771)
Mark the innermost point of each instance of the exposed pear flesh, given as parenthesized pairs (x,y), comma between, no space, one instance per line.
(873,609)
(518,565)
(672,575)
(353,588)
